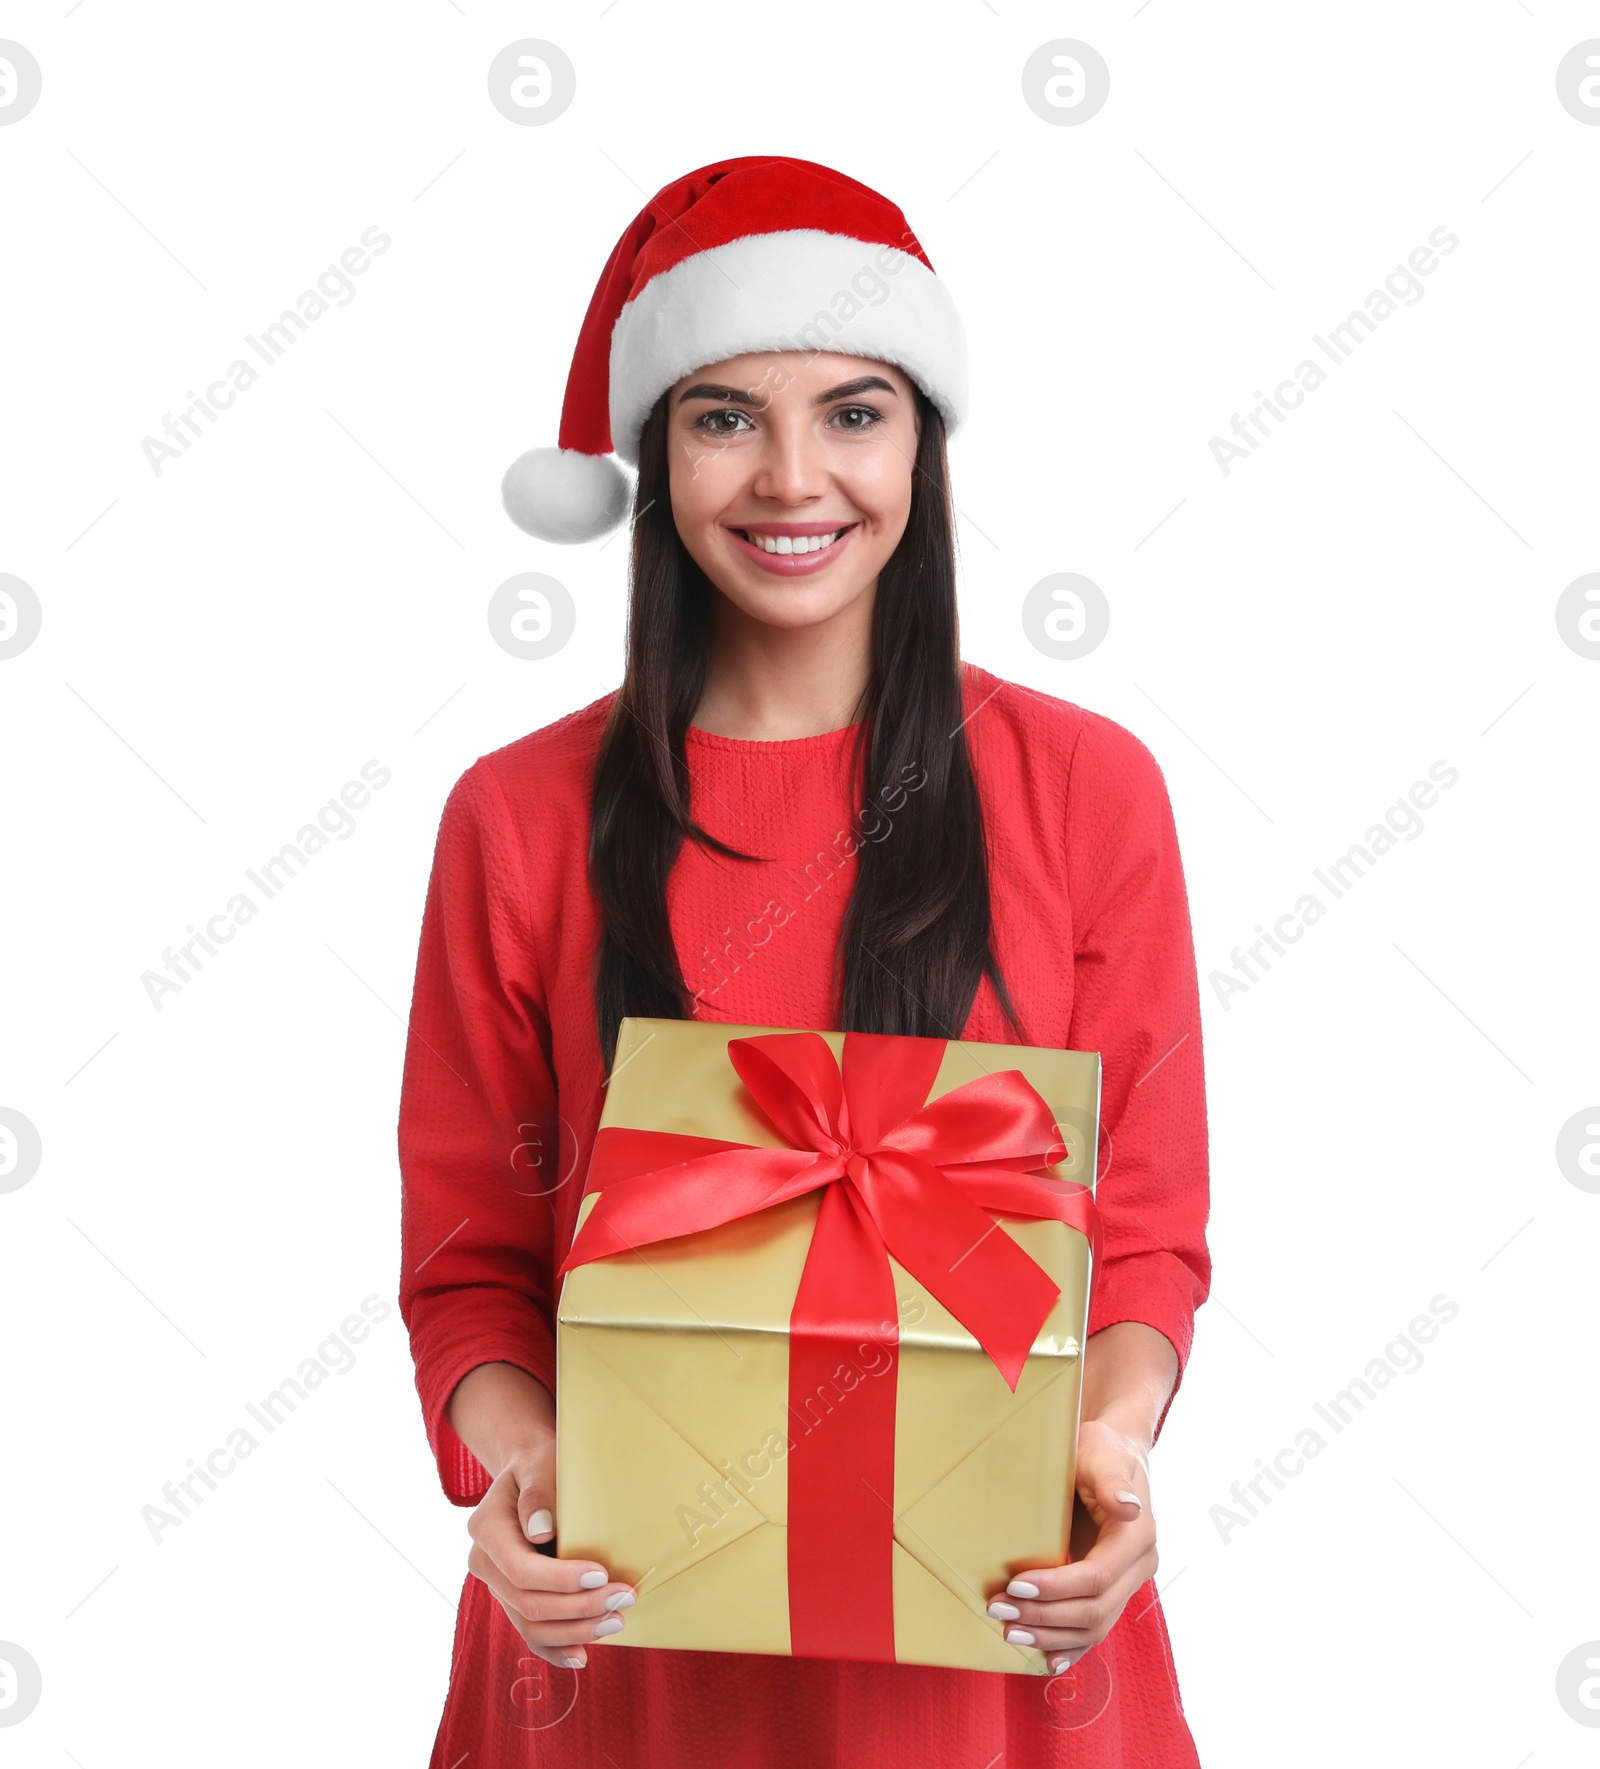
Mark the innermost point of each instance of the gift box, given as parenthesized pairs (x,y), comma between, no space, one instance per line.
(820,1337)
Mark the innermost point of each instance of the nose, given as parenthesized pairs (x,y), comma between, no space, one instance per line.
(791,469)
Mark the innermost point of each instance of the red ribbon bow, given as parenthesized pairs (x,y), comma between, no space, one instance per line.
(900,1176)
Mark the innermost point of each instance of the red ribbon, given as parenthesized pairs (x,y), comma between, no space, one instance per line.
(899,1176)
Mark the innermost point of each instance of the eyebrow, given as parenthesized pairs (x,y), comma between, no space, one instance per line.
(739,396)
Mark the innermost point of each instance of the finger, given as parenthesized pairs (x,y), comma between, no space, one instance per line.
(549,1605)
(1119,1545)
(1078,1622)
(535,1510)
(565,1637)
(1055,1639)
(544,1603)
(1116,1498)
(500,1533)
(539,1526)
(570,1658)
(553,1619)
(1112,1488)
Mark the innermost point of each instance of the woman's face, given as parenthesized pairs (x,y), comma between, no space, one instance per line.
(791,478)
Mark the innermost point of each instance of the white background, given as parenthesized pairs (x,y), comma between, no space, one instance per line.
(225,644)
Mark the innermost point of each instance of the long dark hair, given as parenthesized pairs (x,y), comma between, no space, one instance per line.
(915,942)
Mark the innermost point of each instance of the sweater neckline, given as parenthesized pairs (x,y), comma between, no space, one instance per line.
(770,745)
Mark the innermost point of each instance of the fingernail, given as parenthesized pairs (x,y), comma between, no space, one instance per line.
(610,1624)
(590,1579)
(540,1522)
(1004,1612)
(572,1661)
(1019,1636)
(1131,1499)
(1064,1661)
(1021,1588)
(620,1600)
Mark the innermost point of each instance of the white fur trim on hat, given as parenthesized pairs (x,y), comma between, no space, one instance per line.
(561,495)
(800,289)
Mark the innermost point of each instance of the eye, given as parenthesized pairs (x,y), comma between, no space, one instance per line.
(869,413)
(711,421)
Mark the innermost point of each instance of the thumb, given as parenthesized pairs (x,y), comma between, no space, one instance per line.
(1127,1501)
(536,1500)
(1108,1484)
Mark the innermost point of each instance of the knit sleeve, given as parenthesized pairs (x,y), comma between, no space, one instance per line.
(1136,1001)
(477,1109)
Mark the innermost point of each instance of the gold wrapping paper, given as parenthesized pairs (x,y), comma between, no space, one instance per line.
(672,1390)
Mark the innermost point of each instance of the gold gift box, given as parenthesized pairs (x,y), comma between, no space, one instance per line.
(672,1379)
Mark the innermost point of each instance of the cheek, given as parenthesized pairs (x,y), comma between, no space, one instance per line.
(885,499)
(703,479)
(881,481)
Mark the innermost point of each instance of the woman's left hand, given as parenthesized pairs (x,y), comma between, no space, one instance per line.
(1064,1610)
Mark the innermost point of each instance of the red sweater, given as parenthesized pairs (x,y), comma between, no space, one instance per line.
(501,1096)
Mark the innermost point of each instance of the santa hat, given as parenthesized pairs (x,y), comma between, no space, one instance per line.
(760,253)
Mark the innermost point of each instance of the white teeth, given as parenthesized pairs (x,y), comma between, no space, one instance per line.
(795,543)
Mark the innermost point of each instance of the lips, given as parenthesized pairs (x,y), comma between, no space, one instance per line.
(791,563)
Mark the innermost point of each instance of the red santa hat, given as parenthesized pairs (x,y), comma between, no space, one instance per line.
(760,253)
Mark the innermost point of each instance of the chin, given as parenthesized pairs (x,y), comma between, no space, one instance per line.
(790,605)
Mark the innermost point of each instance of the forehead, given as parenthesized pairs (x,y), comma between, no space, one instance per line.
(803,371)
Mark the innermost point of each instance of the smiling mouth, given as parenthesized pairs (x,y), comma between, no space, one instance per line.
(792,545)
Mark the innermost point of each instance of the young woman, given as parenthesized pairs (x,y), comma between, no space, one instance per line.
(800,809)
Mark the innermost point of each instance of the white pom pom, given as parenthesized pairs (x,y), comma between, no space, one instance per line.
(562,495)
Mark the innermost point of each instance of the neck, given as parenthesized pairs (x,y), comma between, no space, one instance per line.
(767,683)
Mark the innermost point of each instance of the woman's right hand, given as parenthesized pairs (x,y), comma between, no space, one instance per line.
(556,1605)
